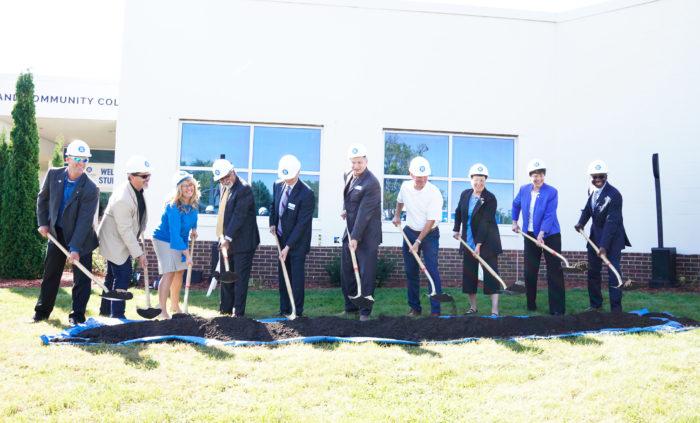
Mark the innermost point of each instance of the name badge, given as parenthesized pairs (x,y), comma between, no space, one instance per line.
(291,206)
(359,187)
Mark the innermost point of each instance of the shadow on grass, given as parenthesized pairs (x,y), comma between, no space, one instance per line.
(132,354)
(418,350)
(63,303)
(581,340)
(213,352)
(519,348)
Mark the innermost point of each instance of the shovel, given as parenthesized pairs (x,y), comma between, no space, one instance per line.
(227,276)
(188,278)
(578,267)
(604,258)
(148,312)
(358,300)
(286,281)
(484,264)
(116,295)
(442,297)
(216,274)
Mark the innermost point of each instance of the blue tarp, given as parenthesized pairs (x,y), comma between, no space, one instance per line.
(72,335)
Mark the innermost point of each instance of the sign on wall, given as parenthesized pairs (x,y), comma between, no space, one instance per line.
(102,174)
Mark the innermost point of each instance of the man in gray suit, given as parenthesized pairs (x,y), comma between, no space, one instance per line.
(123,223)
(65,208)
(362,201)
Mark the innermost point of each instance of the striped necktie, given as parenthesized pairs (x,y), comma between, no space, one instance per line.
(283,206)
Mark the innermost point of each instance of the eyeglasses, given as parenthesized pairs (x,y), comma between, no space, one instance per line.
(599,176)
(80,159)
(144,176)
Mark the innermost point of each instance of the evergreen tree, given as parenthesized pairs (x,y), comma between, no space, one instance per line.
(21,246)
(3,164)
(57,158)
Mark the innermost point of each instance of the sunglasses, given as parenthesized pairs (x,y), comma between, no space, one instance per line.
(144,176)
(601,176)
(80,159)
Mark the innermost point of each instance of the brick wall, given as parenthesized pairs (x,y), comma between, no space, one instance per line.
(635,266)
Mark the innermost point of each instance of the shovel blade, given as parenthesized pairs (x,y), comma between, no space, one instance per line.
(228,277)
(180,315)
(362,302)
(117,295)
(443,298)
(148,313)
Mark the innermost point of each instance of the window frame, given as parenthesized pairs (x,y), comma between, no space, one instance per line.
(248,171)
(449,178)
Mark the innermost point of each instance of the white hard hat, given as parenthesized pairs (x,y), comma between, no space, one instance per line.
(478,169)
(596,167)
(535,164)
(221,168)
(138,164)
(78,148)
(289,167)
(357,150)
(419,166)
(180,176)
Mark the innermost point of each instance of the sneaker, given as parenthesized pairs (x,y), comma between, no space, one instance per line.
(471,312)
(434,314)
(364,318)
(593,309)
(413,313)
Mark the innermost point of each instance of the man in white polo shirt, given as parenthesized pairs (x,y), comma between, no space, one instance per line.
(423,203)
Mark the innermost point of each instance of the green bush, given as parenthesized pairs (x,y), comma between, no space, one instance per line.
(384,269)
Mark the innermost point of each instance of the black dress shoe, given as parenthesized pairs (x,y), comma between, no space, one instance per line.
(38,317)
(592,309)
(76,320)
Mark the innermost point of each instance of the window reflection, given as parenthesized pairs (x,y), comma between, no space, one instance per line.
(495,153)
(503,193)
(202,143)
(400,148)
(304,143)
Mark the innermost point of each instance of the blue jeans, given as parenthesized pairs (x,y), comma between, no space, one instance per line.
(118,277)
(429,247)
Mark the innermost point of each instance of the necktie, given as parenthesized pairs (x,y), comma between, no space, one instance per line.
(594,200)
(283,206)
(222,210)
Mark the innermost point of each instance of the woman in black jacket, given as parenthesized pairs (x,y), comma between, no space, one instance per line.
(476,215)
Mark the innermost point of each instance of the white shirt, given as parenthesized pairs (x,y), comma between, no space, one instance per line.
(420,205)
(595,194)
(533,197)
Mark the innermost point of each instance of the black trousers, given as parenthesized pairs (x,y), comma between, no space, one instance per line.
(555,274)
(234,295)
(367,264)
(295,270)
(53,270)
(470,275)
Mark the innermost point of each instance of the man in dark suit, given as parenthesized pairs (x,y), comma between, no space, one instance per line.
(237,231)
(65,208)
(291,214)
(604,206)
(362,197)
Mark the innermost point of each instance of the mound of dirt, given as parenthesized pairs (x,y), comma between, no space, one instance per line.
(405,328)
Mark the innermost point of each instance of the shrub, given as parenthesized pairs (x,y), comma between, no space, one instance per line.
(384,269)
(333,270)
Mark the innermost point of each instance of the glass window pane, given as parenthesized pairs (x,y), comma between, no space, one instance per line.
(210,191)
(262,190)
(495,153)
(269,144)
(202,143)
(400,148)
(503,193)
(102,156)
(391,191)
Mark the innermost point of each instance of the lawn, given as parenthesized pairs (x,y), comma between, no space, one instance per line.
(644,377)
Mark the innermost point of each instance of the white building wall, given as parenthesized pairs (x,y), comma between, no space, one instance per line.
(627,86)
(356,71)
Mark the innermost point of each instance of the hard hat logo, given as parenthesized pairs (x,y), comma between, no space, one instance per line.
(354,151)
(480,169)
(285,172)
(81,149)
(422,168)
(217,172)
(537,163)
(597,167)
(147,164)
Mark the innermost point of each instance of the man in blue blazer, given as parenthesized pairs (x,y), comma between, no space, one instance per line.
(538,203)
(237,231)
(604,207)
(291,214)
(65,208)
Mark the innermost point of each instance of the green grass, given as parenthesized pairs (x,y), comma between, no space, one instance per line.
(644,377)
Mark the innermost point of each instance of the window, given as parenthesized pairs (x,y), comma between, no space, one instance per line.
(254,151)
(450,157)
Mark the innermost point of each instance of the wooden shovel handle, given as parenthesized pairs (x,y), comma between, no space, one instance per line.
(546,248)
(355,267)
(78,264)
(603,257)
(286,277)
(420,262)
(188,279)
(483,263)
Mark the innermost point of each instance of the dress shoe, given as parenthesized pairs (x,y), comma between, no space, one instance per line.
(348,314)
(592,309)
(364,318)
(38,317)
(76,320)
(413,313)
(434,314)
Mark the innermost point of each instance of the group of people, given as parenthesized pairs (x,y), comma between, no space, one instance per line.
(68,201)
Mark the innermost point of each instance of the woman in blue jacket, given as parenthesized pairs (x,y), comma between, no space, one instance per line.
(170,240)
(538,202)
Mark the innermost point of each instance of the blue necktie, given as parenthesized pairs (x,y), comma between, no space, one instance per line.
(283,205)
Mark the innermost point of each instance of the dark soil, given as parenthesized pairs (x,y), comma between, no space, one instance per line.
(406,328)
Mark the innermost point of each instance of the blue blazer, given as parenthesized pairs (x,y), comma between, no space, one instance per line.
(607,229)
(545,213)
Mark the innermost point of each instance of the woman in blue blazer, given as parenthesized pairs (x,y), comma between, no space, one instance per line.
(538,203)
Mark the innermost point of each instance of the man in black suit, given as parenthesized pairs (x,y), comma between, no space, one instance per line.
(362,198)
(604,206)
(237,232)
(291,213)
(65,208)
